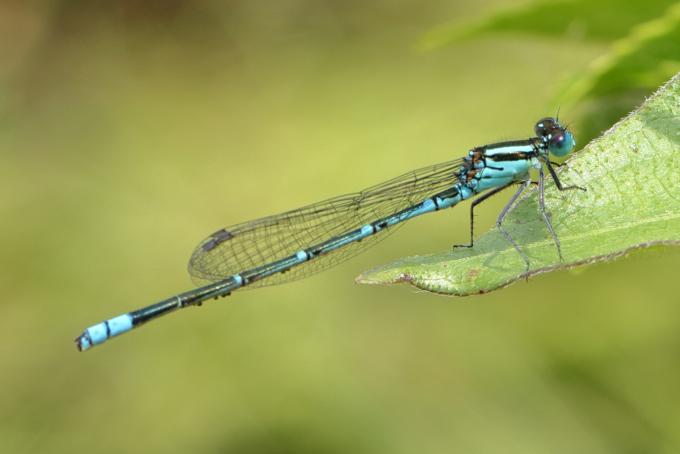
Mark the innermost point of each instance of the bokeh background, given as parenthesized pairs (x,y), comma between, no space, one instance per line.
(129,130)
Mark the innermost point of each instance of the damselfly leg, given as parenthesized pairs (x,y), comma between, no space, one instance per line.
(474,203)
(506,209)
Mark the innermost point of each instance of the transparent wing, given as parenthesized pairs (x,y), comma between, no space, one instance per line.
(251,244)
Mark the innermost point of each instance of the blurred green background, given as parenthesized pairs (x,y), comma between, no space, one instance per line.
(130,130)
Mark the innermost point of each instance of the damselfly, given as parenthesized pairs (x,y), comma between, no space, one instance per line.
(298,243)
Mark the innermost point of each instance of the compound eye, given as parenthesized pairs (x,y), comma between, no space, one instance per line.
(544,126)
(557,140)
(561,143)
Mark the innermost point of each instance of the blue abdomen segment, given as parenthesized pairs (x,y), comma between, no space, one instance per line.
(101,332)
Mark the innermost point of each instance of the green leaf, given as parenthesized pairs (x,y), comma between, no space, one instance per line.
(603,20)
(632,177)
(632,67)
(643,53)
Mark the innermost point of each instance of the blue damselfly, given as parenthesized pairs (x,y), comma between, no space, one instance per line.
(298,243)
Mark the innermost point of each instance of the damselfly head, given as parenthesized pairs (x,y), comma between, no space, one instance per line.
(557,138)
